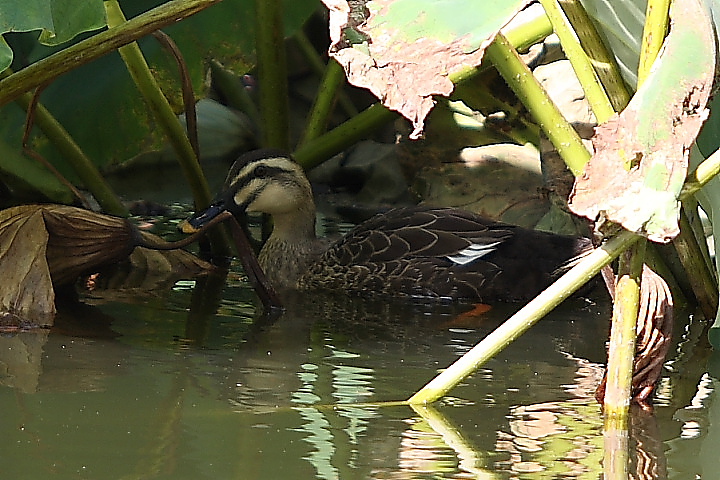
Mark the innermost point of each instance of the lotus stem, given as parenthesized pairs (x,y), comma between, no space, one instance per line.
(525,318)
(324,101)
(700,276)
(528,89)
(75,156)
(580,61)
(45,70)
(322,69)
(272,72)
(159,105)
(603,62)
(316,151)
(656,25)
(623,334)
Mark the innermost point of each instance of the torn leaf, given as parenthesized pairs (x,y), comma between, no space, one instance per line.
(404,50)
(45,246)
(641,155)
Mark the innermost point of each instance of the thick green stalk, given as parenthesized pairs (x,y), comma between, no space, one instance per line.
(71,151)
(159,105)
(88,173)
(43,71)
(547,300)
(621,352)
(528,89)
(316,151)
(317,64)
(693,261)
(580,61)
(324,101)
(604,63)
(525,318)
(272,72)
(525,35)
(702,174)
(656,24)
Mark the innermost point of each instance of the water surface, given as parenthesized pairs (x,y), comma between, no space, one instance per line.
(194,385)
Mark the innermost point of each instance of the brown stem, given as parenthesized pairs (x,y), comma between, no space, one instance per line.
(187,89)
(267,294)
(27,150)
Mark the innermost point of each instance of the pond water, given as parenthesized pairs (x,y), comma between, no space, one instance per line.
(195,383)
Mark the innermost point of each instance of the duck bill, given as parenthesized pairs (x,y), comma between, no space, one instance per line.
(203,218)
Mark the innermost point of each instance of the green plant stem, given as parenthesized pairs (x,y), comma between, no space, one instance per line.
(702,174)
(272,72)
(701,279)
(233,91)
(320,68)
(43,71)
(525,318)
(316,151)
(621,352)
(656,25)
(546,301)
(527,34)
(71,151)
(528,89)
(88,173)
(604,63)
(324,101)
(580,61)
(159,105)
(520,37)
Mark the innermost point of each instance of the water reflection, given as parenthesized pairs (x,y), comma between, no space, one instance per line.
(198,386)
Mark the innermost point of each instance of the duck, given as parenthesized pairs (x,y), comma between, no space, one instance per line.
(417,251)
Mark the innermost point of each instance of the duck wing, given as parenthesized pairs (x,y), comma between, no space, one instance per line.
(438,252)
(421,232)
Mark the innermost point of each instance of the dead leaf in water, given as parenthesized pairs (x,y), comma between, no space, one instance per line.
(26,288)
(45,246)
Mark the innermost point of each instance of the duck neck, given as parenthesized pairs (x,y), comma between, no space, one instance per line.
(292,245)
(297,226)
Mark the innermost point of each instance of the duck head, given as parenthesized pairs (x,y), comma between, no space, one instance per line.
(262,181)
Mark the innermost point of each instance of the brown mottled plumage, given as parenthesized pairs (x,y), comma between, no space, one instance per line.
(416,251)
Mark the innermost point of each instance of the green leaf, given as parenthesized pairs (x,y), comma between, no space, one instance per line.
(59,21)
(99,105)
(24,175)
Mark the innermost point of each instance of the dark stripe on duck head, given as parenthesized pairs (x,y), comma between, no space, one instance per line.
(254,172)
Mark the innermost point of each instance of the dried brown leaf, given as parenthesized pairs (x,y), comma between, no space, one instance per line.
(42,246)
(26,290)
(404,50)
(641,155)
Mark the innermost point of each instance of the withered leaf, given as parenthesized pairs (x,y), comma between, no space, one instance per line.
(404,50)
(641,155)
(26,290)
(45,246)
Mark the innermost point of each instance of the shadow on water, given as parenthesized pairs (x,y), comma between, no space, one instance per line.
(196,384)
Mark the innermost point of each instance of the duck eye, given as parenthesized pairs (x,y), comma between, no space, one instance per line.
(261,171)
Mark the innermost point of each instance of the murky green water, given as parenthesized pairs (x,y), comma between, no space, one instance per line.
(144,387)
